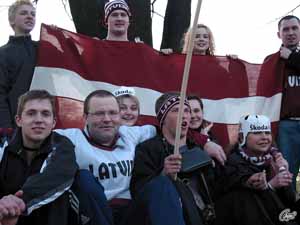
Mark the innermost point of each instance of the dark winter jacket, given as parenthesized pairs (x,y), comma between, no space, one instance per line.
(238,204)
(149,162)
(286,76)
(17,62)
(44,182)
(290,99)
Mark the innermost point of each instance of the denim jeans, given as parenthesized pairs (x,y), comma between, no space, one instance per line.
(289,144)
(93,204)
(158,203)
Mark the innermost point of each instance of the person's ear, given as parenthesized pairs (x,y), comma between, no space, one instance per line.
(85,115)
(54,122)
(18,120)
(240,138)
(11,21)
(278,35)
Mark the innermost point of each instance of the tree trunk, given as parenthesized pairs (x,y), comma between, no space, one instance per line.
(177,21)
(141,22)
(86,15)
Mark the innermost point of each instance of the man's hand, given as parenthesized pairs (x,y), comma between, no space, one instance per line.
(172,165)
(207,128)
(285,52)
(232,56)
(11,207)
(257,181)
(138,40)
(215,151)
(166,51)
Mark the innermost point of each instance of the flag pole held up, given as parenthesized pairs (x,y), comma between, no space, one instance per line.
(186,78)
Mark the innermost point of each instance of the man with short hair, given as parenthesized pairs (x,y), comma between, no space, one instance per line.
(107,150)
(17,60)
(37,166)
(160,199)
(289,126)
(117,14)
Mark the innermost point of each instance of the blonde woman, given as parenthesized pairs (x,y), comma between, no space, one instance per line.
(204,43)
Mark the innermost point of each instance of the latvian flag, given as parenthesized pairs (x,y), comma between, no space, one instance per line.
(70,66)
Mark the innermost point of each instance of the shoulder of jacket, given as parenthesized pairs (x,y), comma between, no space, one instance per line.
(3,150)
(64,137)
(151,142)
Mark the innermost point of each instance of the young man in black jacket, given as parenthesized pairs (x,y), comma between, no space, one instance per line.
(159,198)
(17,60)
(37,166)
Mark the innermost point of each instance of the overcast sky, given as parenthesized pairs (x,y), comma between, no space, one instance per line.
(246,28)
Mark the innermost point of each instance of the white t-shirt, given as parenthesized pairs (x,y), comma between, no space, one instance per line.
(112,167)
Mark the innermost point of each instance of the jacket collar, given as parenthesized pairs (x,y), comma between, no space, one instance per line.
(20,39)
(16,144)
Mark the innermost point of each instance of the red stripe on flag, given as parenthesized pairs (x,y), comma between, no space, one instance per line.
(132,64)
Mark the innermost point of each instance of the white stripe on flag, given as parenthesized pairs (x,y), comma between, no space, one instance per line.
(66,83)
(229,110)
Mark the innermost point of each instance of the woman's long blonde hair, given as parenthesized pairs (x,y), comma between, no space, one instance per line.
(186,37)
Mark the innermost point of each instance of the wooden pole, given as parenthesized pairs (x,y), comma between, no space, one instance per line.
(185,78)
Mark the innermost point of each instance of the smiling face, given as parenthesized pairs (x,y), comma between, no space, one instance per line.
(289,32)
(169,124)
(118,23)
(37,121)
(23,20)
(202,39)
(103,119)
(259,142)
(196,114)
(129,110)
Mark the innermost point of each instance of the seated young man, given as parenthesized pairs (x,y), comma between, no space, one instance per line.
(159,199)
(37,166)
(254,187)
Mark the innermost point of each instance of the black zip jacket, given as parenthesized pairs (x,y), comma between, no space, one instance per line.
(17,62)
(44,182)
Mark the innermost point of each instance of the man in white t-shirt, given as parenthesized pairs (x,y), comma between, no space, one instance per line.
(107,150)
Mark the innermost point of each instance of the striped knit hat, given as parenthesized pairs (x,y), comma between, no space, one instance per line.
(164,108)
(113,5)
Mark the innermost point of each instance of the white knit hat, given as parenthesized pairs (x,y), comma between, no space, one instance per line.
(124,91)
(253,123)
(113,5)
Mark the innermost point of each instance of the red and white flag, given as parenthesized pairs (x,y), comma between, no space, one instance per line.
(70,66)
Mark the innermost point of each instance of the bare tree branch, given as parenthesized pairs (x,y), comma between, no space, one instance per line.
(288,13)
(153,11)
(65,3)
